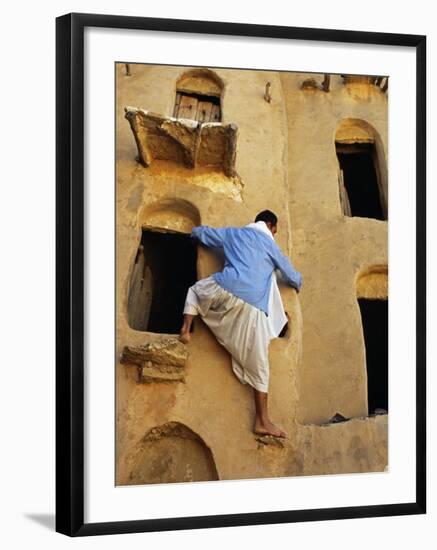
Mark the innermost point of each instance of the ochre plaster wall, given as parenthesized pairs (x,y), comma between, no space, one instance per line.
(285,162)
(331,249)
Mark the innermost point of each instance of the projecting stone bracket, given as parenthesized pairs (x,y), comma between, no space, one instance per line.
(184,141)
(161,361)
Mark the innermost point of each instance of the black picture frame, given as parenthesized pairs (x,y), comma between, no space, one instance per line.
(70,273)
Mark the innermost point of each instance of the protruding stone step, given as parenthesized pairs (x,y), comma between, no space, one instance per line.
(160,361)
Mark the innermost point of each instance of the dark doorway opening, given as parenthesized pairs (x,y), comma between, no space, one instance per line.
(165,267)
(374,315)
(361,193)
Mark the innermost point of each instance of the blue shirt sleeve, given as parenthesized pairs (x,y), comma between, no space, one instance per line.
(209,236)
(281,262)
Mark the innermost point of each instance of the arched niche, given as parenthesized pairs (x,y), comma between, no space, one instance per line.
(172,453)
(372,296)
(199,96)
(363,179)
(170,214)
(165,266)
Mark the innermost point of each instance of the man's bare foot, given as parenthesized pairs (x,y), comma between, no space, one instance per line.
(268,428)
(184,336)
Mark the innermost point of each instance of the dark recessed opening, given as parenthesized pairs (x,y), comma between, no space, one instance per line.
(284,331)
(203,108)
(374,315)
(164,269)
(357,162)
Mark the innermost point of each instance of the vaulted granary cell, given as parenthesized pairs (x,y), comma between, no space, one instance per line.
(374,315)
(361,195)
(165,267)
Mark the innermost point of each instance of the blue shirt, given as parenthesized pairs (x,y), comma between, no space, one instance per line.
(250,259)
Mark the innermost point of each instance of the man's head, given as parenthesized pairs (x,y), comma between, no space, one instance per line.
(270,220)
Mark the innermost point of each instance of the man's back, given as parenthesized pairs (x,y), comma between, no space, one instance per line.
(251,256)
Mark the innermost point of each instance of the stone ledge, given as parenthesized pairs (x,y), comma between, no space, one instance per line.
(270,440)
(372,418)
(183,141)
(160,361)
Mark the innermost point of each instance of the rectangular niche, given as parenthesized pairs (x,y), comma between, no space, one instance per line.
(360,189)
(374,315)
(165,267)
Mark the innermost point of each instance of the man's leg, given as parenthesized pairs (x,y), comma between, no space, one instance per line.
(184,335)
(190,311)
(263,425)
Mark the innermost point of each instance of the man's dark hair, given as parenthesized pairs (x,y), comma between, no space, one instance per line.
(267,216)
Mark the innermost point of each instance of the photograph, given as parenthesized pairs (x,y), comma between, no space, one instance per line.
(227,219)
(251,273)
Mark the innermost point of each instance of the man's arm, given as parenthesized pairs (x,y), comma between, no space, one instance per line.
(281,262)
(209,236)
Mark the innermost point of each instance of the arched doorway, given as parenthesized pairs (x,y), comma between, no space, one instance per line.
(165,266)
(372,295)
(199,96)
(362,170)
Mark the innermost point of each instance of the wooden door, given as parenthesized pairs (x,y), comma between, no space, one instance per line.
(204,109)
(188,107)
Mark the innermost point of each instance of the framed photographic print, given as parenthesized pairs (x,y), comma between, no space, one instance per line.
(237,205)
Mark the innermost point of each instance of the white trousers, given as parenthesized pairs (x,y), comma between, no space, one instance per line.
(239,327)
